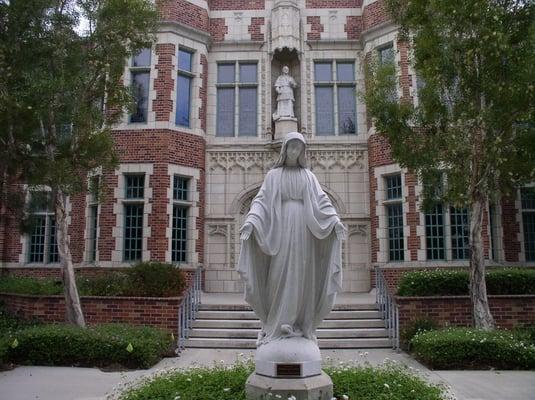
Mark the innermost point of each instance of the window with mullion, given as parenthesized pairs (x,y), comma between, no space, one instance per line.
(527,196)
(43,246)
(140,81)
(180,188)
(395,232)
(434,233)
(184,87)
(460,231)
(37,239)
(135,186)
(133,232)
(179,236)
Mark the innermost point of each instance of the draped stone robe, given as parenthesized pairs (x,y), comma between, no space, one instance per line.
(291,264)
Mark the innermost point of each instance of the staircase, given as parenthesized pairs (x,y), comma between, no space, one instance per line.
(235,326)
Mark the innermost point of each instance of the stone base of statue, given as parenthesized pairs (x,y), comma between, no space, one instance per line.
(286,367)
(284,125)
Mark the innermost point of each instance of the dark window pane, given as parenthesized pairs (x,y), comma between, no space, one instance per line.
(93,226)
(248,112)
(346,110)
(345,72)
(324,110)
(183,100)
(179,239)
(529,235)
(386,54)
(37,239)
(393,187)
(180,188)
(140,85)
(184,60)
(460,229)
(53,254)
(248,73)
(527,196)
(142,59)
(434,232)
(395,232)
(323,71)
(225,73)
(133,232)
(225,112)
(135,185)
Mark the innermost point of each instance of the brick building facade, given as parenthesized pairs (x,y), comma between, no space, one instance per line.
(195,151)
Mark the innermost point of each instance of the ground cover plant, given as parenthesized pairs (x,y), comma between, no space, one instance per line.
(441,282)
(116,346)
(467,348)
(227,382)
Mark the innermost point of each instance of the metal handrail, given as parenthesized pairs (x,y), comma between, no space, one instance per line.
(187,311)
(387,306)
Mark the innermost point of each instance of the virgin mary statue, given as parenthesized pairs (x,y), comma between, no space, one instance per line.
(290,257)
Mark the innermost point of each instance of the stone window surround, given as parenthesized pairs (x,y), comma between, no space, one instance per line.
(25,238)
(183,38)
(89,202)
(193,174)
(117,257)
(238,57)
(520,222)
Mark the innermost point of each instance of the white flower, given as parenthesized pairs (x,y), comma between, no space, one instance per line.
(189,379)
(226,389)
(387,386)
(292,397)
(177,397)
(345,397)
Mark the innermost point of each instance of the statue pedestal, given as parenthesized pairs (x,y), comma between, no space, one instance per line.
(286,367)
(284,125)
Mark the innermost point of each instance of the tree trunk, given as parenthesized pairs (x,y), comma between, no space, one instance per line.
(73,307)
(478,289)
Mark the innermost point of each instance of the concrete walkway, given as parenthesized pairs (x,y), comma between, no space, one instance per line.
(63,383)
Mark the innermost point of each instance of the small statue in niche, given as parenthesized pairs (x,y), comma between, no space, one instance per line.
(284,86)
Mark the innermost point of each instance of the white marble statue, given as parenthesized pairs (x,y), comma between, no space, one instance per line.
(284,86)
(290,257)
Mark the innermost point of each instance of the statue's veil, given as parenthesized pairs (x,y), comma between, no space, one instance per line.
(301,160)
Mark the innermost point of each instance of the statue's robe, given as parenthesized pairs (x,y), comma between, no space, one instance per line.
(291,264)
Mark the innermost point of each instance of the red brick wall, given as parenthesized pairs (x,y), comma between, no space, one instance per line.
(77,227)
(218,29)
(333,3)
(511,229)
(254,28)
(237,4)
(157,312)
(508,311)
(353,26)
(203,91)
(315,28)
(107,219)
(406,78)
(375,14)
(164,82)
(412,216)
(184,12)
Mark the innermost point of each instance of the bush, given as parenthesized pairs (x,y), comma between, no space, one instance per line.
(27,285)
(102,345)
(464,348)
(228,383)
(442,282)
(526,333)
(155,279)
(111,284)
(416,326)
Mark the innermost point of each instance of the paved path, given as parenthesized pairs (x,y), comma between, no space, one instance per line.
(63,383)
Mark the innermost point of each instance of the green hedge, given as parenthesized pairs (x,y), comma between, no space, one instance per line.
(100,346)
(464,348)
(441,282)
(148,279)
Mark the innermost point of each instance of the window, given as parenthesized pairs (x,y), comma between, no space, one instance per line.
(133,214)
(92,205)
(434,233)
(237,81)
(460,233)
(184,85)
(527,198)
(43,246)
(385,54)
(180,215)
(394,213)
(335,96)
(140,78)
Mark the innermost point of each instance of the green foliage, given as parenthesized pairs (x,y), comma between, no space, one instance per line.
(222,382)
(156,279)
(441,282)
(525,333)
(416,326)
(27,285)
(463,348)
(102,345)
(110,284)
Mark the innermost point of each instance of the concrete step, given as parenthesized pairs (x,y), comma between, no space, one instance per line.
(246,307)
(249,315)
(255,324)
(321,333)
(359,343)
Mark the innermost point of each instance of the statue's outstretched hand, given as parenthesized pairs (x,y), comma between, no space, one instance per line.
(341,231)
(246,231)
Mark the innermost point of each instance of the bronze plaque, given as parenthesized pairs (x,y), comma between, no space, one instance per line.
(289,370)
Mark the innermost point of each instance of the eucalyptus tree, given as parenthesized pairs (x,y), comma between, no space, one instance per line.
(474,119)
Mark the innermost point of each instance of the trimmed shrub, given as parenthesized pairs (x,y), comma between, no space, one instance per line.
(27,285)
(416,326)
(111,284)
(464,348)
(102,345)
(155,279)
(440,282)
